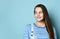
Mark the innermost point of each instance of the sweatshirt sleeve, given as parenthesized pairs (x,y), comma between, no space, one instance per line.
(26,33)
(55,36)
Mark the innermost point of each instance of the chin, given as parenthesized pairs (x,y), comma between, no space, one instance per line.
(39,20)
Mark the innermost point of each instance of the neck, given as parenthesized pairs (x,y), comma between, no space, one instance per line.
(40,23)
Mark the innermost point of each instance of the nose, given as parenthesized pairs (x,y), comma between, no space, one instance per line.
(38,14)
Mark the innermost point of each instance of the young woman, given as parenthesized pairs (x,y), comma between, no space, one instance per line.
(42,28)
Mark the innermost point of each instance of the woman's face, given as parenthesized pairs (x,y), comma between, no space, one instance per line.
(38,14)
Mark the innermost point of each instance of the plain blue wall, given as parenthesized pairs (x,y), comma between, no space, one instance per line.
(15,14)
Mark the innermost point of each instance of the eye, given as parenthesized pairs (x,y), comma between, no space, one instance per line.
(40,12)
(35,12)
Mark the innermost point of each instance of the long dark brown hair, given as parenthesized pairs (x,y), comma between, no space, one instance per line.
(47,20)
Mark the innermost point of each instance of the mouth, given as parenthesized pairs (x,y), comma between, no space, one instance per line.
(38,17)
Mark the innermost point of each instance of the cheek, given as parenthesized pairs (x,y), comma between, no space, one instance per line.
(38,18)
(35,15)
(41,14)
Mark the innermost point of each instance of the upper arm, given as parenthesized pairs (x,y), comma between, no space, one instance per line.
(26,33)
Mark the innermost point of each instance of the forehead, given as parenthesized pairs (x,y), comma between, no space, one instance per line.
(38,9)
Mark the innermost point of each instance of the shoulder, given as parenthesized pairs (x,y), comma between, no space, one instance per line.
(27,26)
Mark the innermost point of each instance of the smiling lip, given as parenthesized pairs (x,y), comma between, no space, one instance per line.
(38,17)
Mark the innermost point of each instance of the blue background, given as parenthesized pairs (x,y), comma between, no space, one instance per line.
(15,14)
